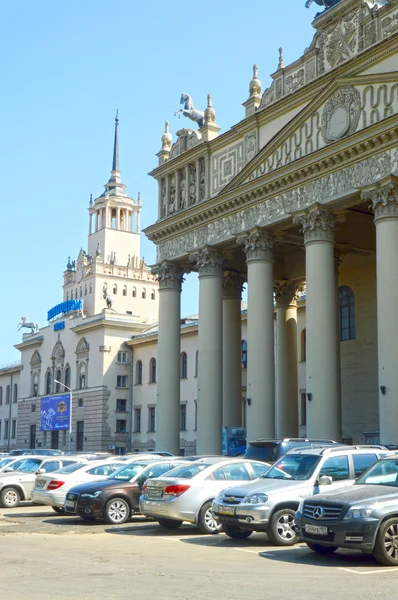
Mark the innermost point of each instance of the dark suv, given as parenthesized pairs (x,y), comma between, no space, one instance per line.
(271,450)
(364,517)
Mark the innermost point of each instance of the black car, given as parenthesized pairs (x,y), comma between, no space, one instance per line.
(270,450)
(362,517)
(116,498)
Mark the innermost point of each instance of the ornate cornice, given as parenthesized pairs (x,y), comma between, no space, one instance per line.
(318,224)
(232,284)
(286,292)
(208,261)
(257,245)
(383,197)
(169,275)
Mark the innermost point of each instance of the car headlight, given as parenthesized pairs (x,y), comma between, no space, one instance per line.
(359,512)
(93,495)
(256,499)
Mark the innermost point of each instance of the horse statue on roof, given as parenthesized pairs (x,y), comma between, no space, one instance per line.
(325,3)
(34,327)
(190,111)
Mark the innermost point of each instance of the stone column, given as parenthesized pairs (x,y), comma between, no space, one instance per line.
(96,220)
(258,246)
(167,200)
(232,340)
(177,179)
(90,223)
(170,279)
(286,376)
(209,422)
(187,185)
(322,368)
(197,167)
(118,218)
(384,199)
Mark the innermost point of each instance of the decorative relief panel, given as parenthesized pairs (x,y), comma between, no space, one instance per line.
(192,184)
(225,165)
(202,178)
(389,25)
(251,147)
(274,209)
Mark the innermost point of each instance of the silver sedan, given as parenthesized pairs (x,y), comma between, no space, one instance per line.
(186,494)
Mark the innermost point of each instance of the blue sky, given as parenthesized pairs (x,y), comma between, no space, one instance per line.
(66,67)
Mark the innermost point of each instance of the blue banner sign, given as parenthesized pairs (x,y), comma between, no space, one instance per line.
(64,307)
(55,412)
(60,325)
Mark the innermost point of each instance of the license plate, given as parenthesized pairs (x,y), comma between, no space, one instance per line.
(316,529)
(70,504)
(226,510)
(155,493)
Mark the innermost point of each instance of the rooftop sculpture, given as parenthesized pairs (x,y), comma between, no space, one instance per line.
(325,3)
(190,111)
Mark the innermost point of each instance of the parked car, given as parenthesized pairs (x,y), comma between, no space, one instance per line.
(364,517)
(271,450)
(11,463)
(40,451)
(51,489)
(186,493)
(270,503)
(116,498)
(17,485)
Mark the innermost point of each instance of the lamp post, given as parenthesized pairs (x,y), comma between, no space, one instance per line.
(70,410)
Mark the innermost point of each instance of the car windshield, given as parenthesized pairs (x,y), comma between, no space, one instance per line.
(298,466)
(29,465)
(384,472)
(71,468)
(5,462)
(127,472)
(187,472)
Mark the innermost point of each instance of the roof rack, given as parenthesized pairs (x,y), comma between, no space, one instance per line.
(358,447)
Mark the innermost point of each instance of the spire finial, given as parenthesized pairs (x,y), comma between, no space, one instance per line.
(281,64)
(115,162)
(91,198)
(167,138)
(255,84)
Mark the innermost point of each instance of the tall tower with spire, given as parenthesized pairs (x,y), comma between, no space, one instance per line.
(113,259)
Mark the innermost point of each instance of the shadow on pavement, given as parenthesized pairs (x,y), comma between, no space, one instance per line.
(305,556)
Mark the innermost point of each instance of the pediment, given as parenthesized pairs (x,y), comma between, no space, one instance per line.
(346,106)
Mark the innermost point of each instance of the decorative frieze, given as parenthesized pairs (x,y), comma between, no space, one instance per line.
(169,275)
(208,261)
(257,245)
(232,284)
(318,224)
(383,197)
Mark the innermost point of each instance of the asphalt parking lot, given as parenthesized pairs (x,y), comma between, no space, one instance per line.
(43,555)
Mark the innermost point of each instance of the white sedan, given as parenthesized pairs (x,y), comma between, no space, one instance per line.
(51,489)
(187,492)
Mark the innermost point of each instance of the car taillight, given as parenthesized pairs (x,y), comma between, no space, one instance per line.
(176,490)
(55,484)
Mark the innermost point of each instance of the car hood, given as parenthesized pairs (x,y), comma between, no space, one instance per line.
(267,486)
(366,493)
(94,486)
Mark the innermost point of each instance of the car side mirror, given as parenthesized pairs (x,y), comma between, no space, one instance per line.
(8,470)
(40,471)
(325,480)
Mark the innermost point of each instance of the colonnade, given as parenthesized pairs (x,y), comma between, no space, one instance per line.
(124,219)
(272,388)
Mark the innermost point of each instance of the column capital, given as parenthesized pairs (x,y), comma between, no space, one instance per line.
(383,197)
(258,244)
(340,252)
(208,261)
(286,292)
(169,275)
(232,284)
(318,223)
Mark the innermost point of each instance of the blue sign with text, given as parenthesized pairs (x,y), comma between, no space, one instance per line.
(60,325)
(64,307)
(55,413)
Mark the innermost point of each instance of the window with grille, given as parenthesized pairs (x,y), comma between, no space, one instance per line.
(346,313)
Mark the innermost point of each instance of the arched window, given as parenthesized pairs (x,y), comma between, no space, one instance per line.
(138,372)
(15,396)
(152,370)
(67,377)
(115,288)
(303,345)
(71,295)
(8,394)
(48,383)
(125,290)
(346,313)
(244,354)
(196,363)
(85,290)
(143,293)
(153,295)
(76,293)
(134,292)
(183,365)
(58,384)
(1,395)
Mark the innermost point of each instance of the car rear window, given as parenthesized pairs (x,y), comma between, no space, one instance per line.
(264,452)
(71,468)
(188,472)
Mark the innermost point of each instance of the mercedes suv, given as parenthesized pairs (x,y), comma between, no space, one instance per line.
(269,503)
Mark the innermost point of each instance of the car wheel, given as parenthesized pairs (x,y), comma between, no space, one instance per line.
(116,511)
(9,497)
(206,520)
(321,549)
(58,510)
(169,523)
(235,533)
(280,530)
(385,549)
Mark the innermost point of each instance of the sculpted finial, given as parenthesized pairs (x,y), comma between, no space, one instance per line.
(210,113)
(255,84)
(281,64)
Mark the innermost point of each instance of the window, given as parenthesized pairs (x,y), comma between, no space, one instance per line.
(80,402)
(44,438)
(103,470)
(196,415)
(6,429)
(67,295)
(121,426)
(82,376)
(143,293)
(76,293)
(71,295)
(8,394)
(33,408)
(152,370)
(303,345)
(134,292)
(79,435)
(1,395)
(81,292)
(15,396)
(335,467)
(122,357)
(153,295)
(259,469)
(138,372)
(121,381)
(91,288)
(244,354)
(196,363)
(121,405)
(55,440)
(48,383)
(14,429)
(0,429)
(35,391)
(51,466)
(303,411)
(125,290)
(183,417)
(346,313)
(58,383)
(115,289)
(183,365)
(362,462)
(67,377)
(137,420)
(232,472)
(85,290)
(151,419)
